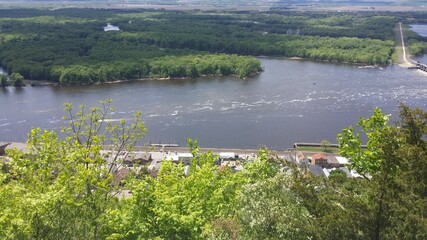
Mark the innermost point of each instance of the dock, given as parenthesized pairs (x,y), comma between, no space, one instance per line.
(333,145)
(164,145)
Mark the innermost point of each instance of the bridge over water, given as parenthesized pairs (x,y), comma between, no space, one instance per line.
(412,64)
(422,66)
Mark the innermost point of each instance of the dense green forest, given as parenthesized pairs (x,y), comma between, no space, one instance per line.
(75,50)
(64,189)
(69,46)
(417,44)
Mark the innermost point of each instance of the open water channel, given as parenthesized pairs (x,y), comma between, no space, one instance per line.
(290,101)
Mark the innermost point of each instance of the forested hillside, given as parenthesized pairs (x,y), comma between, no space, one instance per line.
(65,189)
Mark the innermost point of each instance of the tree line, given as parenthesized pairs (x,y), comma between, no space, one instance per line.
(189,66)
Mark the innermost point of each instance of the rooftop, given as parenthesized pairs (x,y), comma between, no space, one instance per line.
(342,160)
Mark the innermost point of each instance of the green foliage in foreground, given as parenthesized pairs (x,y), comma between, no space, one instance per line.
(61,189)
(394,166)
(174,206)
(64,189)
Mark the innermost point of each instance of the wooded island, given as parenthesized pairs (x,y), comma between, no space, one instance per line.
(70,46)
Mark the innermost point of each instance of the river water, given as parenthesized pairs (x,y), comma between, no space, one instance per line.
(421,29)
(290,101)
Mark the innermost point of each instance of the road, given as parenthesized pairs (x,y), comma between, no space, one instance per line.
(407,62)
(403,44)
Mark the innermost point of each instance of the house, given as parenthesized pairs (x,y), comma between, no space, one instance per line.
(342,161)
(333,162)
(316,170)
(319,159)
(113,157)
(300,157)
(228,156)
(139,158)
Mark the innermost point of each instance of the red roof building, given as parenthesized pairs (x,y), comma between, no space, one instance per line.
(319,159)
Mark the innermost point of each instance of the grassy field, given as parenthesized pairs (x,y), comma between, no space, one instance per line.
(319,149)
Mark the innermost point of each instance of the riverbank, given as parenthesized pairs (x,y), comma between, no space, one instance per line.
(30,83)
(241,152)
(337,62)
(21,146)
(36,83)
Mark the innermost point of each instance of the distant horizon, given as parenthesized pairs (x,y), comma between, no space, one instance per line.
(235,2)
(235,5)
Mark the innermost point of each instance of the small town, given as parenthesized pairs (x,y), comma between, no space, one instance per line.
(319,163)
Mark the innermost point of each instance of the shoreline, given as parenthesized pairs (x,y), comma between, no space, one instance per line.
(37,83)
(42,83)
(325,61)
(21,146)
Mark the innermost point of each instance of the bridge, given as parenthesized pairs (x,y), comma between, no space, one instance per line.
(412,64)
(422,67)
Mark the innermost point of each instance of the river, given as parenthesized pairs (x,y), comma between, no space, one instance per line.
(292,100)
(421,29)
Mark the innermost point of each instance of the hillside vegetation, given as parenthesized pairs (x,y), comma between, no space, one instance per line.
(65,189)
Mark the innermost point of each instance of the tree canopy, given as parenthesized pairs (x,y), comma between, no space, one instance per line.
(65,188)
(69,46)
(3,80)
(17,79)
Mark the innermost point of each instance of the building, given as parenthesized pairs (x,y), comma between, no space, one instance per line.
(228,156)
(300,157)
(342,161)
(319,159)
(316,170)
(138,158)
(185,158)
